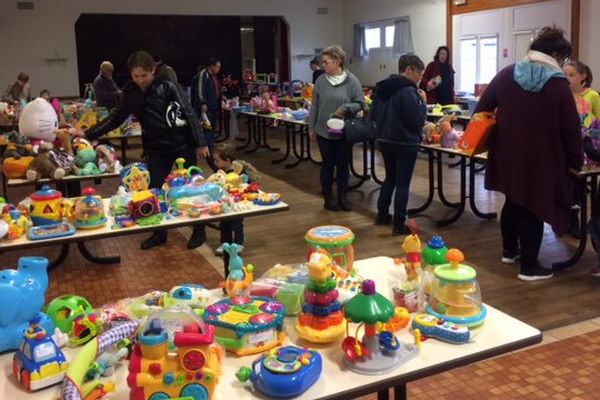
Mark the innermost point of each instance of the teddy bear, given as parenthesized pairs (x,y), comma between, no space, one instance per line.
(107,159)
(85,158)
(50,163)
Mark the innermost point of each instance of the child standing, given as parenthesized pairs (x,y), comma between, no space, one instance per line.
(232,231)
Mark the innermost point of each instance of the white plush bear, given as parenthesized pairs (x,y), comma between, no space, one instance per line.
(38,122)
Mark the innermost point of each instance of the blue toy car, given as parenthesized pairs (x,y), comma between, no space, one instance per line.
(39,362)
(284,372)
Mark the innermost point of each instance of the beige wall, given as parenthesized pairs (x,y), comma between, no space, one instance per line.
(589,50)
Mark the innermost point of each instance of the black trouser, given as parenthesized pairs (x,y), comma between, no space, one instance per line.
(336,156)
(160,166)
(399,167)
(232,231)
(521,227)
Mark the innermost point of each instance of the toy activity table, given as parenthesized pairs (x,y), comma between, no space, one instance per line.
(82,236)
(500,334)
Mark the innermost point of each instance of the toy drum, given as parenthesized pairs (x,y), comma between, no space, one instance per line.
(336,240)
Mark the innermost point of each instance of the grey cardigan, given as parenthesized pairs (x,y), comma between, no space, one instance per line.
(347,96)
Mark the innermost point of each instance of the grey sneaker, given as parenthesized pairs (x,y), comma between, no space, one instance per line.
(510,258)
(534,273)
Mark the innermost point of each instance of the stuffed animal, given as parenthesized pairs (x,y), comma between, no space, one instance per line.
(449,137)
(107,159)
(85,158)
(38,121)
(431,133)
(50,163)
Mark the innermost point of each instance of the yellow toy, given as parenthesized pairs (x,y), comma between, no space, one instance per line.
(412,248)
(49,207)
(18,224)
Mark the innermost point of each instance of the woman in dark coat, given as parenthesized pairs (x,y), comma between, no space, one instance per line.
(535,149)
(438,78)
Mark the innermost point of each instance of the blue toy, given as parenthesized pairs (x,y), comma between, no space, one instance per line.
(284,372)
(50,231)
(22,294)
(447,331)
(239,277)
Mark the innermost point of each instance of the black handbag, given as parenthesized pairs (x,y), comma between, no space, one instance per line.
(357,130)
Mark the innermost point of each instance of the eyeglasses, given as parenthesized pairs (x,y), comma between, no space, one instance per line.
(325,62)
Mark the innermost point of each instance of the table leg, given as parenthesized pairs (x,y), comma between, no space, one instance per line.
(420,209)
(400,392)
(253,134)
(440,181)
(64,251)
(373,168)
(95,259)
(124,151)
(264,135)
(4,189)
(561,265)
(300,156)
(383,395)
(460,208)
(309,152)
(365,176)
(287,146)
(472,172)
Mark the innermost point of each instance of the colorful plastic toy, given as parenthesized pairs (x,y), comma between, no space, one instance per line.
(89,211)
(143,204)
(377,352)
(189,294)
(283,372)
(247,325)
(321,320)
(191,371)
(22,294)
(399,321)
(48,207)
(284,283)
(85,327)
(39,362)
(239,277)
(64,309)
(456,296)
(337,240)
(412,247)
(73,387)
(18,224)
(447,331)
(135,177)
(50,231)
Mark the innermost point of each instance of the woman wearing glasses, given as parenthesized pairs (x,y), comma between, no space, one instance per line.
(336,93)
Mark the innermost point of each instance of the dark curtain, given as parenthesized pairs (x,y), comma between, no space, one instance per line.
(264,44)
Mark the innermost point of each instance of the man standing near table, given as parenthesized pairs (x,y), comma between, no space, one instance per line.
(170,129)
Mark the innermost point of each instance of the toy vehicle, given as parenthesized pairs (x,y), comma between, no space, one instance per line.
(283,372)
(39,362)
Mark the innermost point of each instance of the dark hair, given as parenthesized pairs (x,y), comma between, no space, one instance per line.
(314,61)
(23,77)
(583,69)
(551,41)
(212,62)
(44,91)
(225,151)
(436,57)
(141,59)
(410,60)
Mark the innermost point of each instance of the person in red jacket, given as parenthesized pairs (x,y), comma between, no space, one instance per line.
(438,78)
(535,149)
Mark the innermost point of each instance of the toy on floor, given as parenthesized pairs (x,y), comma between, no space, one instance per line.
(337,240)
(447,331)
(321,320)
(456,296)
(39,362)
(286,371)
(239,277)
(22,294)
(64,309)
(73,387)
(48,207)
(89,211)
(377,352)
(247,325)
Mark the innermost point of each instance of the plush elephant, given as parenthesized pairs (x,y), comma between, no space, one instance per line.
(22,294)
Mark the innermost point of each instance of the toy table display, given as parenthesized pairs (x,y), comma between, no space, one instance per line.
(247,325)
(456,296)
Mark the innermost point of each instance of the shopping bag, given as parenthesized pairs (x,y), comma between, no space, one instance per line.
(359,129)
(476,138)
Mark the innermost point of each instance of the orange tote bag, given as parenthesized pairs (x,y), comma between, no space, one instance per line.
(476,138)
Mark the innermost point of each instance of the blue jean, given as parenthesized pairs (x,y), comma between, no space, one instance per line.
(232,231)
(399,167)
(336,156)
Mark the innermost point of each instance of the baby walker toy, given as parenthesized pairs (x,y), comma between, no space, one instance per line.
(321,319)
(336,240)
(378,352)
(283,372)
(456,296)
(175,357)
(247,324)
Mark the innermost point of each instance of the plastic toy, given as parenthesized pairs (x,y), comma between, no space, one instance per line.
(321,320)
(377,352)
(106,363)
(455,295)
(16,167)
(337,240)
(433,254)
(48,207)
(399,321)
(412,247)
(119,202)
(267,199)
(89,211)
(22,294)
(284,283)
(50,231)
(447,331)
(39,362)
(3,228)
(135,177)
(247,325)
(18,224)
(335,127)
(239,276)
(283,372)
(73,387)
(190,371)
(64,309)
(195,296)
(85,327)
(143,204)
